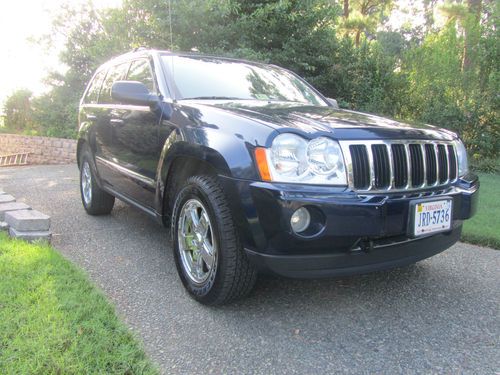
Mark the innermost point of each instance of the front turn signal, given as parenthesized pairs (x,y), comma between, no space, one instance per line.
(261,158)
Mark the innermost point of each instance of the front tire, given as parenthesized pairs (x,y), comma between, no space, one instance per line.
(207,251)
(95,200)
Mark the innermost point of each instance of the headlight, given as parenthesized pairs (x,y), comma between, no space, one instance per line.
(324,156)
(463,165)
(293,159)
(288,156)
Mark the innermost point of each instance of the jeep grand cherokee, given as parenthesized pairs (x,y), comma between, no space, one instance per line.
(256,171)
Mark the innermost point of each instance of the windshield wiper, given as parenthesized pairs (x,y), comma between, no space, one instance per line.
(213,98)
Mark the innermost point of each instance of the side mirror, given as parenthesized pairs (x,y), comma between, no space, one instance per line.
(333,103)
(133,92)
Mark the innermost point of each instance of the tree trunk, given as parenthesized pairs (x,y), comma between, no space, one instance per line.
(358,36)
(346,9)
(429,14)
(471,34)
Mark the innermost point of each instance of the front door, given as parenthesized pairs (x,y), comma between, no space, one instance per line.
(136,149)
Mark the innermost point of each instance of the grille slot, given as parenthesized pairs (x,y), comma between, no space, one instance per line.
(417,165)
(453,163)
(360,166)
(430,159)
(400,165)
(381,166)
(443,164)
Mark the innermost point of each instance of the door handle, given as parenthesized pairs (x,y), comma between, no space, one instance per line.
(117,121)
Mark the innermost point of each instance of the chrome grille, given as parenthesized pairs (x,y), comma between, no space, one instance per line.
(382,166)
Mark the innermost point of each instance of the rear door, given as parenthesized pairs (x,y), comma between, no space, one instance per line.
(87,118)
(136,149)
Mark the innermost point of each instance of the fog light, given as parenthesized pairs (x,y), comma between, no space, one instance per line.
(300,220)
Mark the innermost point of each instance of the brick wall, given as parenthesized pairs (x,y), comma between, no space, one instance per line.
(43,150)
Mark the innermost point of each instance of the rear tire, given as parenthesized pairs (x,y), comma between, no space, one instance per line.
(95,200)
(207,251)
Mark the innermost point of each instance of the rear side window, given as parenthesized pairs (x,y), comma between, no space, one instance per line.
(95,86)
(115,73)
(140,71)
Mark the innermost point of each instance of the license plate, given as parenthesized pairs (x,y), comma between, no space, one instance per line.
(432,216)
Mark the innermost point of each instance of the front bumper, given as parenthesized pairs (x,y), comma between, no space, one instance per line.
(343,263)
(359,233)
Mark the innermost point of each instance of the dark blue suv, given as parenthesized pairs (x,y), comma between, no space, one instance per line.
(255,170)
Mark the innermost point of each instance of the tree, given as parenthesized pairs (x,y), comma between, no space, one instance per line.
(363,16)
(467,17)
(18,112)
(448,76)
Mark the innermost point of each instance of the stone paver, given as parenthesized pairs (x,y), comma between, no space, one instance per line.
(28,220)
(6,198)
(30,236)
(4,226)
(12,206)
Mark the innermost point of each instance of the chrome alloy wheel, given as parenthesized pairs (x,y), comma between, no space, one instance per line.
(197,246)
(86,181)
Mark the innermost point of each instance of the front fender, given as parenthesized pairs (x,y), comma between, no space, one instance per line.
(228,154)
(236,162)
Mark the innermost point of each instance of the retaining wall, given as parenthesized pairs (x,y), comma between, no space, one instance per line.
(43,150)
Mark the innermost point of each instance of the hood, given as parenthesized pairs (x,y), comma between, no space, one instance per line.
(344,124)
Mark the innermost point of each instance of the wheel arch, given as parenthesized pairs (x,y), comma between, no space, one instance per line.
(185,160)
(79,146)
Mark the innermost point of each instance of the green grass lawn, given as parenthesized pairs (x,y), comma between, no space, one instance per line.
(484,228)
(54,321)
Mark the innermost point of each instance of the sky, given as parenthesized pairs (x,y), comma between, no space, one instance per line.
(24,64)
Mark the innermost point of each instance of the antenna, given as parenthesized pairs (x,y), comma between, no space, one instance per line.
(170,22)
(171,40)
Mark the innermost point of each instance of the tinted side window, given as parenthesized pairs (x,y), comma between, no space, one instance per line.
(93,91)
(115,73)
(140,71)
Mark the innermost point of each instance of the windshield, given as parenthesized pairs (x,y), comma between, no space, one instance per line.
(213,78)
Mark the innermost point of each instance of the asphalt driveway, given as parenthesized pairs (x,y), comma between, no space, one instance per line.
(441,315)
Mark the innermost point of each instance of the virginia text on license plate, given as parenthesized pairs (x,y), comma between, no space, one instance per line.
(432,216)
